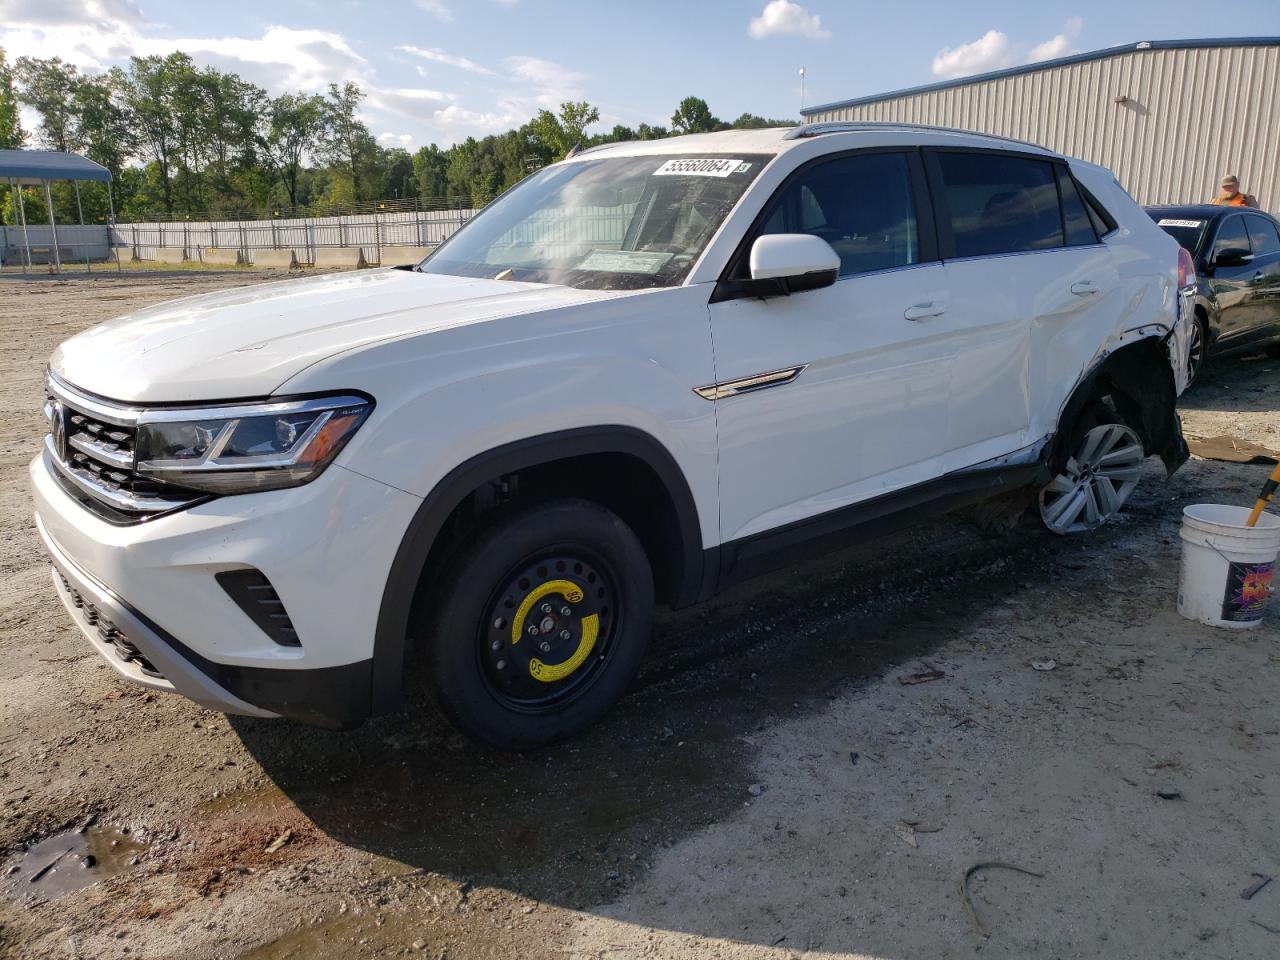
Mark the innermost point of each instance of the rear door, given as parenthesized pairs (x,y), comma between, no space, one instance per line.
(1264,308)
(1033,290)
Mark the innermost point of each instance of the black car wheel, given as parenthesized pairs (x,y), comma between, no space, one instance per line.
(540,624)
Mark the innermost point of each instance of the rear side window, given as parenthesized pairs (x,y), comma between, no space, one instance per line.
(1000,204)
(1263,235)
(861,204)
(1075,215)
(1231,236)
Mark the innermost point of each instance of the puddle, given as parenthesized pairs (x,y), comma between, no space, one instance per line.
(67,862)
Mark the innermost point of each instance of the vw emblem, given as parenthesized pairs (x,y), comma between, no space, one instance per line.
(58,429)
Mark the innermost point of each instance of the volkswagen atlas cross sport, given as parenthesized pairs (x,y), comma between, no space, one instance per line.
(646,372)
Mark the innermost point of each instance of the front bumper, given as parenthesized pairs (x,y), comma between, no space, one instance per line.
(135,647)
(326,547)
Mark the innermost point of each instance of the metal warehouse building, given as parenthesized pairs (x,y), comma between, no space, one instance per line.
(1170,117)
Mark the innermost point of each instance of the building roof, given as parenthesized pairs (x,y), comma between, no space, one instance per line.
(37,166)
(1048,65)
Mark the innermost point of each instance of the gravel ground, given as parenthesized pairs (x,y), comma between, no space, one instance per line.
(770,789)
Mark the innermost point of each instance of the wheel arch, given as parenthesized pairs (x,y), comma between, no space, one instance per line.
(543,458)
(1140,380)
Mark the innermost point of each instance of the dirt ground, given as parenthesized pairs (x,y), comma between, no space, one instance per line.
(769,789)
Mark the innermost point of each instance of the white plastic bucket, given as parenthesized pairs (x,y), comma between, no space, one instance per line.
(1228,569)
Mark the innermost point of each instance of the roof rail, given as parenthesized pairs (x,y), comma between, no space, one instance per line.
(806,130)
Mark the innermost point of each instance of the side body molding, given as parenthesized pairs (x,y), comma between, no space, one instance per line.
(391,634)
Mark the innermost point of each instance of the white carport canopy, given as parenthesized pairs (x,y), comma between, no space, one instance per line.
(40,168)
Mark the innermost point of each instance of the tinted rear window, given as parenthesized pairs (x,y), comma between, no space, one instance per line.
(1000,204)
(1188,231)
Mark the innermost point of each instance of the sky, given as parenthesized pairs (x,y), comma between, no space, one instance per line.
(438,71)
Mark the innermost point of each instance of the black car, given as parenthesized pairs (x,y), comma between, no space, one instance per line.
(1236,251)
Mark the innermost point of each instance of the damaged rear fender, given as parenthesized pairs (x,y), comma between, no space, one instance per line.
(1139,381)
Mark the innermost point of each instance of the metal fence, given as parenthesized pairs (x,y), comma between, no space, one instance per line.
(557,233)
(303,235)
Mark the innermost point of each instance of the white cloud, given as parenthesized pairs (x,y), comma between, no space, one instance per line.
(785,17)
(436,8)
(69,12)
(1060,45)
(396,139)
(989,52)
(449,59)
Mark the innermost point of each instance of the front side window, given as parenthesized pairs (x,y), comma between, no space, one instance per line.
(616,223)
(1231,236)
(1263,236)
(999,203)
(860,204)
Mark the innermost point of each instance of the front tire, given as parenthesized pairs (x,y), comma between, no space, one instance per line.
(540,624)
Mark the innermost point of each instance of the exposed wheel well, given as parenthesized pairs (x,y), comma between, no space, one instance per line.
(622,483)
(1138,381)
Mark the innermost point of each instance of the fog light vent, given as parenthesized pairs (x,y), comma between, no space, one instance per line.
(254,594)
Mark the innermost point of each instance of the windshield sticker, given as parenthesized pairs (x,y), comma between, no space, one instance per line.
(709,167)
(625,261)
(1179,223)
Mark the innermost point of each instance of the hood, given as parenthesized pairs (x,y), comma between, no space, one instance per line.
(246,342)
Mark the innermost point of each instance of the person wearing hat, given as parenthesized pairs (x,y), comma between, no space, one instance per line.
(1230,195)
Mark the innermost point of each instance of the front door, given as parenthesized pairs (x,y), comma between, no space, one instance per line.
(859,382)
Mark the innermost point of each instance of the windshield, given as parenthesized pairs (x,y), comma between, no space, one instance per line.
(617,223)
(1188,233)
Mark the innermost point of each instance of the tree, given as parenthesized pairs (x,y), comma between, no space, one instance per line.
(749,121)
(151,95)
(646,132)
(431,168)
(12,136)
(103,128)
(295,124)
(560,134)
(693,116)
(46,86)
(347,142)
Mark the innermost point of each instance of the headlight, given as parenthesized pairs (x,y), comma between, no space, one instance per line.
(245,448)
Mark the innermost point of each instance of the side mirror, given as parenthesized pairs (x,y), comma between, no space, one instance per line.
(1232,257)
(794,261)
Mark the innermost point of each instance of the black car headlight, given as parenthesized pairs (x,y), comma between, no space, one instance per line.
(243,448)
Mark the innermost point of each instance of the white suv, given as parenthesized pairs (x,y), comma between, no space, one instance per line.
(646,372)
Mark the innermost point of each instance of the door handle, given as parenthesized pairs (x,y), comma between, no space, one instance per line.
(1084,288)
(923,311)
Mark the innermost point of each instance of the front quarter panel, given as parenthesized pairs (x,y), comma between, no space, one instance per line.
(444,397)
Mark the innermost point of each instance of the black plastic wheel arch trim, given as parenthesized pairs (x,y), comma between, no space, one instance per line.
(390,643)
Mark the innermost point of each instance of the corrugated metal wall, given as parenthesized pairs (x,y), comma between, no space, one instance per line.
(1191,116)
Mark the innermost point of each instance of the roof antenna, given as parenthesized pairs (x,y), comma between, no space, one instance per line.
(802,94)
(574,151)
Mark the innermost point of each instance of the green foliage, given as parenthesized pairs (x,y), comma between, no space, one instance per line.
(12,136)
(190,142)
(46,86)
(693,116)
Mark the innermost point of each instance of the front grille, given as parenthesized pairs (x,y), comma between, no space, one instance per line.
(109,633)
(91,449)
